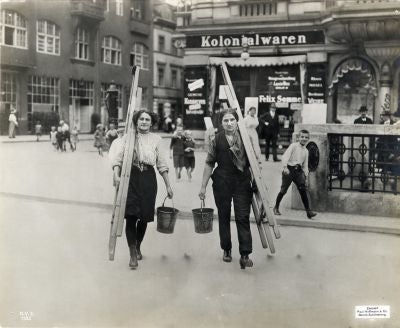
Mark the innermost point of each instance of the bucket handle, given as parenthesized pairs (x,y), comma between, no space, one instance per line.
(172,199)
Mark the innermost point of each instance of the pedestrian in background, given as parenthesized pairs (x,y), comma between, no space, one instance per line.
(363,119)
(142,188)
(99,138)
(189,160)
(231,181)
(12,123)
(67,135)
(111,135)
(295,169)
(53,137)
(270,130)
(74,138)
(251,123)
(38,130)
(60,139)
(177,151)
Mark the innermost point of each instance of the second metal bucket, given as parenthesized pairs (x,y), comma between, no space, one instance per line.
(203,218)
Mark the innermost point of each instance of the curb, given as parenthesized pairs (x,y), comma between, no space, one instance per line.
(186,215)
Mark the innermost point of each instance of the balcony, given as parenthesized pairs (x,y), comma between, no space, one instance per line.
(87,9)
(140,27)
(16,58)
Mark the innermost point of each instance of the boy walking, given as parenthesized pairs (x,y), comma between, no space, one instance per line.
(295,169)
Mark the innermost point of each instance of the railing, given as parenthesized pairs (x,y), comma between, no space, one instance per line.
(364,162)
(257,8)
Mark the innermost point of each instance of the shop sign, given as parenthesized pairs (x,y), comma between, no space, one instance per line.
(195,95)
(315,85)
(255,39)
(281,85)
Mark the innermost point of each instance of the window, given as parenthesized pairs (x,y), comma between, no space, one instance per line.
(111,51)
(161,74)
(82,44)
(48,38)
(145,98)
(43,93)
(140,56)
(258,8)
(161,43)
(82,90)
(174,78)
(104,88)
(13,31)
(119,10)
(138,9)
(8,90)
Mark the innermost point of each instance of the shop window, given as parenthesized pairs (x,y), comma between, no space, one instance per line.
(104,88)
(111,51)
(353,85)
(82,44)
(13,30)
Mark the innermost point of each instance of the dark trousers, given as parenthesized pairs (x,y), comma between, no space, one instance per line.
(297,176)
(236,187)
(135,230)
(271,139)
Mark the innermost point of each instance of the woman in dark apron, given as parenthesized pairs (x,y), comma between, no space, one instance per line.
(142,188)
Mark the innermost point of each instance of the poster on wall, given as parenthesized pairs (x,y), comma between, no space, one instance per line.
(195,97)
(315,84)
(279,84)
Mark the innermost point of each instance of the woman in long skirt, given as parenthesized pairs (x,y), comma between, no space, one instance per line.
(142,188)
(251,123)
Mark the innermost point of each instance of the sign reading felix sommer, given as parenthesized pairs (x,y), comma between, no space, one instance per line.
(255,39)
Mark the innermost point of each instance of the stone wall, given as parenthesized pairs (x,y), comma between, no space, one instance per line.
(344,201)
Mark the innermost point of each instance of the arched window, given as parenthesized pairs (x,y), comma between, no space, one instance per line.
(111,50)
(140,56)
(13,30)
(48,37)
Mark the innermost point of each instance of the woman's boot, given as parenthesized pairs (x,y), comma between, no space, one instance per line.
(133,263)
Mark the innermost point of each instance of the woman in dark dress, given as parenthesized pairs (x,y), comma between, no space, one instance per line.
(142,188)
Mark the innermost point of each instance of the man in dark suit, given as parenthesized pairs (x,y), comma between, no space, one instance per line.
(270,123)
(363,119)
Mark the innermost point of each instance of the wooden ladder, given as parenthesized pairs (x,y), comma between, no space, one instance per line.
(121,191)
(261,203)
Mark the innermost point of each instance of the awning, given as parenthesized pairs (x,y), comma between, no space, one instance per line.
(352,65)
(258,61)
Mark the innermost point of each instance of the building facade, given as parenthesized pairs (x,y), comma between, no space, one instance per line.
(319,61)
(62,56)
(168,65)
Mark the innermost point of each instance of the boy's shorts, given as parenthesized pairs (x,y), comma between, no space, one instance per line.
(178,160)
(189,162)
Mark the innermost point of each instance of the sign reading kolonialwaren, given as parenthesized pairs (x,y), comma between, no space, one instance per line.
(255,39)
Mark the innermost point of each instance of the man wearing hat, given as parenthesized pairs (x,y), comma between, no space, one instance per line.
(12,123)
(363,119)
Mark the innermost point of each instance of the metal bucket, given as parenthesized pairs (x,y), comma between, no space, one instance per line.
(203,218)
(166,218)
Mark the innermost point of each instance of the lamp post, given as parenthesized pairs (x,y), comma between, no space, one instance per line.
(111,103)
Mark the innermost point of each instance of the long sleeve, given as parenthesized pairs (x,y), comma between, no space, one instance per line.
(116,153)
(286,155)
(161,161)
(305,163)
